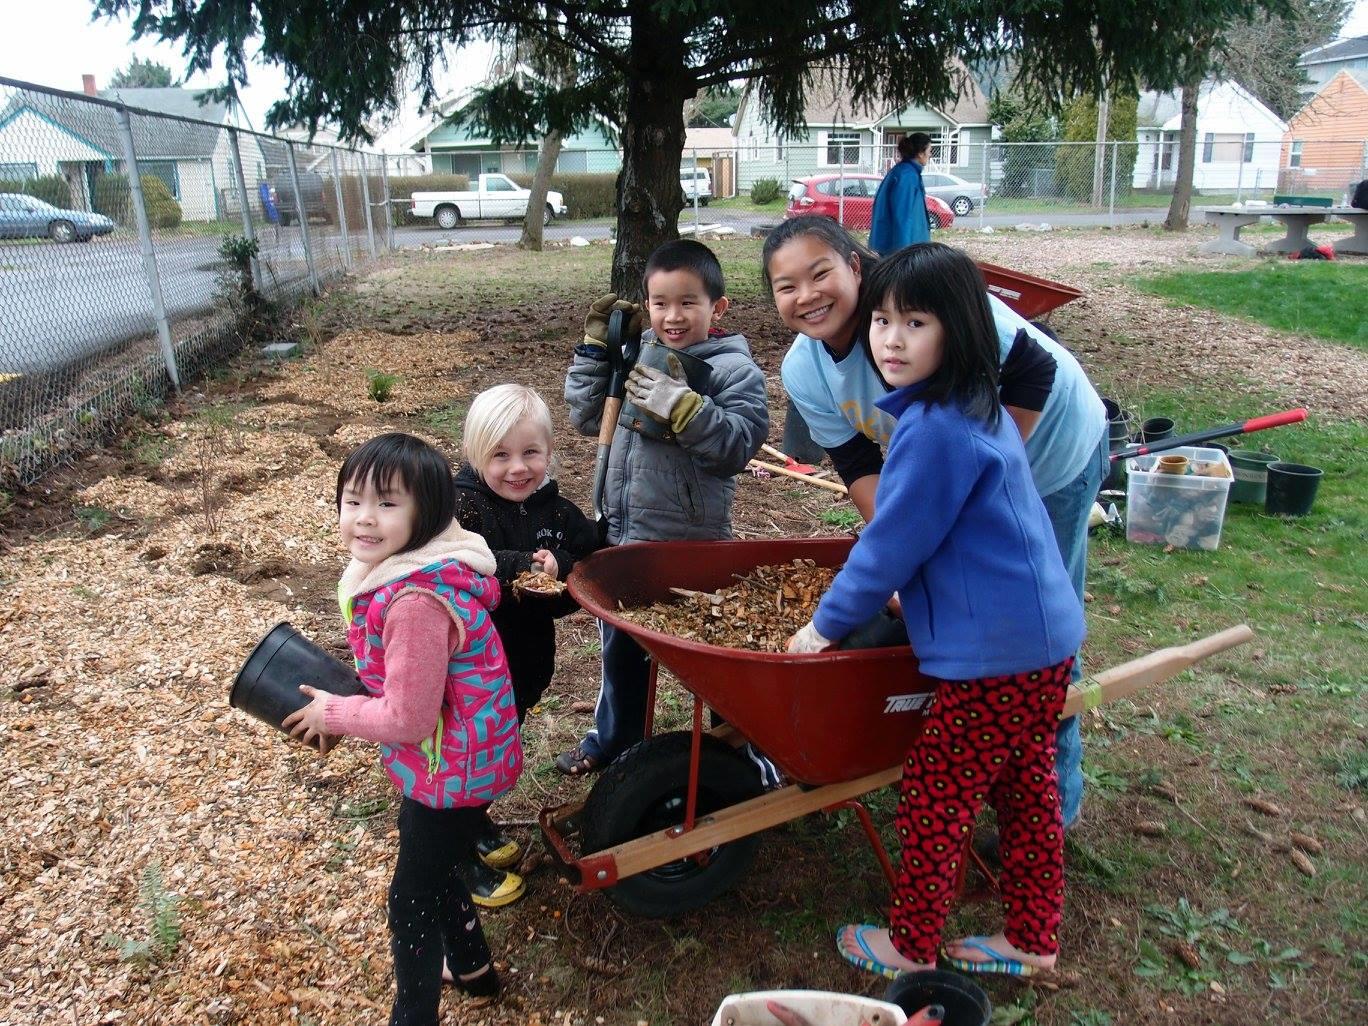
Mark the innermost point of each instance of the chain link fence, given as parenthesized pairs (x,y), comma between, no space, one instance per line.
(112,216)
(112,283)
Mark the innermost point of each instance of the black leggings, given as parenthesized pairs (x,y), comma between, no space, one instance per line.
(430,912)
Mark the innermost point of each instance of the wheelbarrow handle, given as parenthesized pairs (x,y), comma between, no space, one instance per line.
(1244,427)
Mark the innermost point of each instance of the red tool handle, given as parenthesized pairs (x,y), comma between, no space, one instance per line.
(1275,420)
(1197,437)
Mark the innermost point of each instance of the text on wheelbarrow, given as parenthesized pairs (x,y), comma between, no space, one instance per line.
(908,703)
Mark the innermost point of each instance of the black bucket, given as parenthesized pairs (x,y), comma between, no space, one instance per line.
(1156,429)
(964,1001)
(1120,424)
(1291,488)
(267,686)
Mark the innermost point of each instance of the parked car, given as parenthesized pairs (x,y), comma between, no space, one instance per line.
(850,198)
(696,181)
(277,193)
(24,217)
(959,195)
(495,198)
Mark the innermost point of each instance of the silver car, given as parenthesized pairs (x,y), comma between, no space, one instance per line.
(24,217)
(959,195)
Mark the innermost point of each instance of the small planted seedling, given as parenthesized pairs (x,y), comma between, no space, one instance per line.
(380,386)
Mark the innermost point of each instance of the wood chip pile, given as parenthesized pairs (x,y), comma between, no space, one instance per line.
(761,611)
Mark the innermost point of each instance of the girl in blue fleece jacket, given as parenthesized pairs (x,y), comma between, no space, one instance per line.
(961,535)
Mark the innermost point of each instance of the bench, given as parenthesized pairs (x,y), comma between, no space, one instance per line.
(1298,220)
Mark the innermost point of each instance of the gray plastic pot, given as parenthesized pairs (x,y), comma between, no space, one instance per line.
(1250,469)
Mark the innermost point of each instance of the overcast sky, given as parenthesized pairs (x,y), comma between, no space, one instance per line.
(54,42)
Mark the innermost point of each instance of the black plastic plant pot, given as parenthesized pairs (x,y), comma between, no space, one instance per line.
(1291,489)
(1156,429)
(964,1001)
(267,686)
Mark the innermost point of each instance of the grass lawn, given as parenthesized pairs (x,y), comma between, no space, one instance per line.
(1322,298)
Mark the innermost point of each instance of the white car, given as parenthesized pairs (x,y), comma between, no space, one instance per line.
(696,182)
(959,195)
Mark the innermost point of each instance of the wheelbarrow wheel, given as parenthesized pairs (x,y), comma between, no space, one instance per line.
(645,791)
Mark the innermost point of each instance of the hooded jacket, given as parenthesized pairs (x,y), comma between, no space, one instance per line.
(515,530)
(473,754)
(677,490)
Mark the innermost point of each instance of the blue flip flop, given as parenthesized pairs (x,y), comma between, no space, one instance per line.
(997,962)
(869,963)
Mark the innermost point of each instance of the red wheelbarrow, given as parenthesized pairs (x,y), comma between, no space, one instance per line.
(676,820)
(1029,296)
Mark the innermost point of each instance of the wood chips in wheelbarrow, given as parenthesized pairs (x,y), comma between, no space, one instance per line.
(759,612)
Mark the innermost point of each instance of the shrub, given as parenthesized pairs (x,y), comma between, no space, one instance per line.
(162,209)
(48,188)
(586,195)
(113,198)
(766,190)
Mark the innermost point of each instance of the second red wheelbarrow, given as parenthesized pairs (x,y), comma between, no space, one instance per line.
(676,820)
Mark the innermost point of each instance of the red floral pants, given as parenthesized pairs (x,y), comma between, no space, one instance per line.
(990,739)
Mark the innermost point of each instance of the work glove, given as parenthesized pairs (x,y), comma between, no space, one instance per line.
(596,322)
(667,399)
(808,640)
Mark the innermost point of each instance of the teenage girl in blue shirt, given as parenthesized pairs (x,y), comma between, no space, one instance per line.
(961,535)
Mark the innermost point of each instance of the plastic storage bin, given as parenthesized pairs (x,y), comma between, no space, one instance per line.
(1186,510)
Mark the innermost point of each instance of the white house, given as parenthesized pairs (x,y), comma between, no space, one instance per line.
(41,134)
(1238,140)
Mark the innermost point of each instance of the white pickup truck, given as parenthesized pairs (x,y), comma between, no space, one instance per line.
(497,198)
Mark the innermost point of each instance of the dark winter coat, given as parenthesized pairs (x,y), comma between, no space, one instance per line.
(515,530)
(678,490)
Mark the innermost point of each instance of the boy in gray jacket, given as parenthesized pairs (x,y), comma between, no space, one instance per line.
(683,436)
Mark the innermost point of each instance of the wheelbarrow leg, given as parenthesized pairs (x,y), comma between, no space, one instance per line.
(871,832)
(651,676)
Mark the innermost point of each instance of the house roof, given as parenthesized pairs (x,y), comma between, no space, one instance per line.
(1338,50)
(153,138)
(1165,110)
(708,139)
(828,102)
(1157,108)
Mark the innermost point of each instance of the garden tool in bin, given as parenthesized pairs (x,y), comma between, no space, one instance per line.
(1244,427)
(623,348)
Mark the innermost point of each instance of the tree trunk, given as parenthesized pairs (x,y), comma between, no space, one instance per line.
(649,197)
(541,181)
(1099,153)
(1177,220)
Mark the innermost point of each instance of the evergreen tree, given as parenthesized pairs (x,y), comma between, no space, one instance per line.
(142,74)
(638,61)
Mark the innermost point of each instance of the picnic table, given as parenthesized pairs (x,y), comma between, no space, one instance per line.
(1297,219)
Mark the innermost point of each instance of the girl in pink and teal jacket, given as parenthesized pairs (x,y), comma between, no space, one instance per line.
(417,598)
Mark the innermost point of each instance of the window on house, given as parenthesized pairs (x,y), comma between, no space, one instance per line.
(18,172)
(778,147)
(753,145)
(166,170)
(945,150)
(1249,148)
(1294,159)
(842,149)
(1222,147)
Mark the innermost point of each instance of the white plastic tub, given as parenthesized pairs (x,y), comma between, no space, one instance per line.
(1185,511)
(818,1008)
